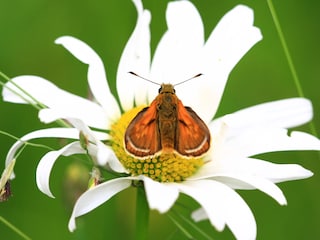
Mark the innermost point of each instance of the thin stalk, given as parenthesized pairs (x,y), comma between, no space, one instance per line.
(25,142)
(288,57)
(14,228)
(285,48)
(180,227)
(142,215)
(188,227)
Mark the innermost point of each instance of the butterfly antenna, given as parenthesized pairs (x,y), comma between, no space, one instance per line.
(148,80)
(195,76)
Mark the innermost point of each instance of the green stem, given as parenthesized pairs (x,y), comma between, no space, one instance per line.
(288,56)
(14,228)
(285,48)
(142,215)
(25,142)
(180,227)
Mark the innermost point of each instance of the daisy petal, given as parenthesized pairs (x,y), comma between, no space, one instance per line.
(135,58)
(105,155)
(46,163)
(268,140)
(199,215)
(43,133)
(37,87)
(55,98)
(285,113)
(274,172)
(252,167)
(253,182)
(203,194)
(233,36)
(175,58)
(242,175)
(96,73)
(155,192)
(228,43)
(49,116)
(222,206)
(96,196)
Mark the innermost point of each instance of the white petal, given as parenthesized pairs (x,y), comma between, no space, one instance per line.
(241,181)
(55,98)
(96,73)
(135,58)
(35,86)
(233,36)
(222,206)
(105,155)
(49,116)
(203,192)
(253,168)
(263,140)
(46,163)
(258,129)
(199,215)
(285,113)
(160,196)
(96,196)
(43,133)
(229,42)
(82,127)
(176,55)
(243,174)
(272,171)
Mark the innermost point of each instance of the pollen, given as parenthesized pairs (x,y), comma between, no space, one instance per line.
(165,167)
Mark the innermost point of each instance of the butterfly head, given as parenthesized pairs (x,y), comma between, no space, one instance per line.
(167,88)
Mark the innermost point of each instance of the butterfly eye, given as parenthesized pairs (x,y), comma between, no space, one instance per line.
(160,89)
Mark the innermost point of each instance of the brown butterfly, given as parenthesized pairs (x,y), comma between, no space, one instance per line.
(167,126)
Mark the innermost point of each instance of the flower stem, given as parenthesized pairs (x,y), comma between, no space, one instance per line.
(14,228)
(285,48)
(142,215)
(288,56)
(26,142)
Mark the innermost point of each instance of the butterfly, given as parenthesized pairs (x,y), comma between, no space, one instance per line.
(167,126)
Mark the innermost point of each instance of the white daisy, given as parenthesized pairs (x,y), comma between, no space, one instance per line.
(181,54)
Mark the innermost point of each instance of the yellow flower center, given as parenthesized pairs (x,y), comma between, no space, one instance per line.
(167,167)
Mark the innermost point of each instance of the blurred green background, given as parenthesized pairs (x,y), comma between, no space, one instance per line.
(28,30)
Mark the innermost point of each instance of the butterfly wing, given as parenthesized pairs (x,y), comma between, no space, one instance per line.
(142,134)
(192,134)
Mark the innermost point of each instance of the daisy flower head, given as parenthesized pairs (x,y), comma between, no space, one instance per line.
(210,178)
